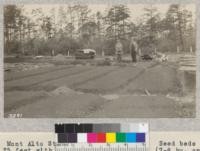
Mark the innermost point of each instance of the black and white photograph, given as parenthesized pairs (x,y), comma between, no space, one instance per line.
(99,60)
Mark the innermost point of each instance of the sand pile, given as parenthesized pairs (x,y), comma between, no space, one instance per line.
(63,90)
(59,57)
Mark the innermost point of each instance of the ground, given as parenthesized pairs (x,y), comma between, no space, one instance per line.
(64,87)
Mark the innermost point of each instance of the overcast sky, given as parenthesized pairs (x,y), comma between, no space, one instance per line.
(137,10)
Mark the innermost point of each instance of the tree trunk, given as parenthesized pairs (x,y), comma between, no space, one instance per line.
(181,32)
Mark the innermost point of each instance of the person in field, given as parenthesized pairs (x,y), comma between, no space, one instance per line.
(133,49)
(119,50)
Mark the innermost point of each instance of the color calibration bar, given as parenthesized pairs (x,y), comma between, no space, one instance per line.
(101,133)
(111,137)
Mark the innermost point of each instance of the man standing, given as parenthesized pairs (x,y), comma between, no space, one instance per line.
(119,50)
(133,50)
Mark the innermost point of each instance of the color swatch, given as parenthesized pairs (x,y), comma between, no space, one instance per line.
(101,137)
(110,137)
(121,137)
(97,133)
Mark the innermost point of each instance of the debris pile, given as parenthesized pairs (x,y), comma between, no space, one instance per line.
(161,57)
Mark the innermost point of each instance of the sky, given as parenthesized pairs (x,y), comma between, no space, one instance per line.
(136,10)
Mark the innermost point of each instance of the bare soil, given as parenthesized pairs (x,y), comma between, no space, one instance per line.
(88,90)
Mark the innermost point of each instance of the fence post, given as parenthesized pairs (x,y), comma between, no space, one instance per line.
(191,51)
